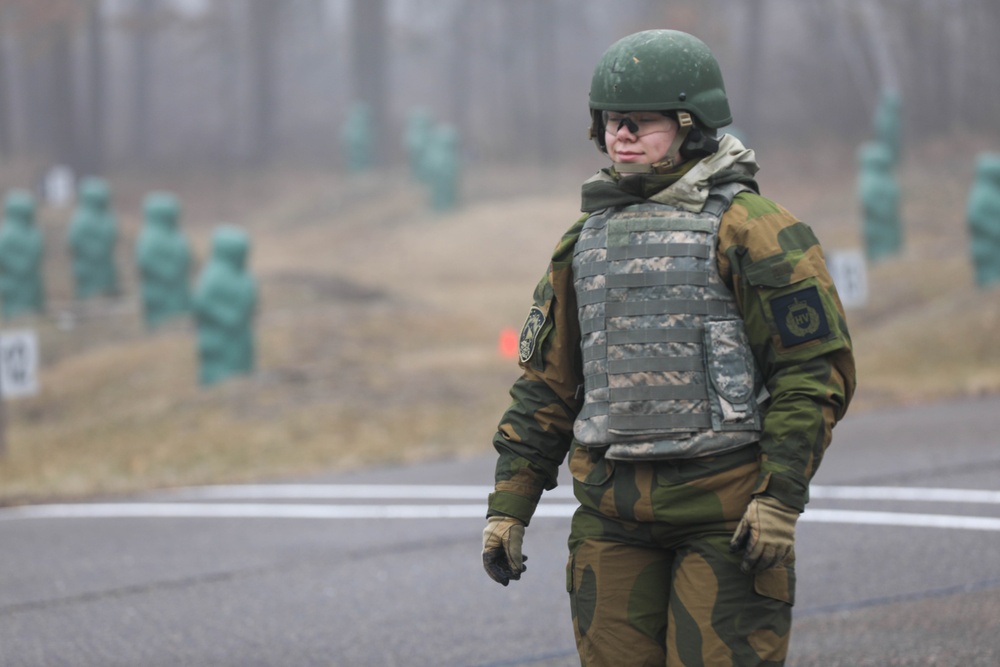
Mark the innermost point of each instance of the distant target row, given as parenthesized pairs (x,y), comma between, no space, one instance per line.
(432,152)
(879,194)
(222,303)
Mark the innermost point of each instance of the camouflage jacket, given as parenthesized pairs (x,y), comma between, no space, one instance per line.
(774,265)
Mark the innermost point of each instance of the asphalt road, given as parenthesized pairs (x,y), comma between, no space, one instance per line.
(382,567)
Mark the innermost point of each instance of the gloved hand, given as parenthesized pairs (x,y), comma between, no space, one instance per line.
(502,556)
(766,532)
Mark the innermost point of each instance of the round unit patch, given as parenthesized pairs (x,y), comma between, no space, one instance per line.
(529,333)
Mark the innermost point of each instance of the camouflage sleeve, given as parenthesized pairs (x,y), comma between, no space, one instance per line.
(536,430)
(798,332)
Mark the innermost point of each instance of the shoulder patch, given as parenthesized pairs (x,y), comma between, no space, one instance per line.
(529,333)
(800,316)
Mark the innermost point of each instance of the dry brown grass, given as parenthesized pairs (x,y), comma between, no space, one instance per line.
(379,320)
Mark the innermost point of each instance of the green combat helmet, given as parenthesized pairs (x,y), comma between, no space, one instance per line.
(668,71)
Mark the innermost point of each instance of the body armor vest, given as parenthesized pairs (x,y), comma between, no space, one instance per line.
(668,370)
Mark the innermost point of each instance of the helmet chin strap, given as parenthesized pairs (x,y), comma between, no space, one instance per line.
(670,160)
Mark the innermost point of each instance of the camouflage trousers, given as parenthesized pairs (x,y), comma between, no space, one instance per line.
(669,592)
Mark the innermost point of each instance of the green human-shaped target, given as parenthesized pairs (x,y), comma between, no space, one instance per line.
(22,289)
(225,301)
(163,258)
(93,237)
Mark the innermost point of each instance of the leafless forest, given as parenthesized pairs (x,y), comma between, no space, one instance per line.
(107,85)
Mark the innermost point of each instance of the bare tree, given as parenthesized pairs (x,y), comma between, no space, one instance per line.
(65,146)
(460,61)
(546,57)
(753,64)
(5,107)
(264,20)
(142,26)
(93,156)
(369,63)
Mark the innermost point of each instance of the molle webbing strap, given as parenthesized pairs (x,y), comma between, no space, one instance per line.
(620,228)
(645,337)
(657,279)
(667,392)
(590,243)
(594,353)
(592,324)
(589,269)
(600,268)
(647,250)
(656,393)
(669,307)
(590,297)
(655,365)
(683,420)
(600,382)
(650,336)
(660,392)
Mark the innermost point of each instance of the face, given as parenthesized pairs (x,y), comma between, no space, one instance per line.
(638,137)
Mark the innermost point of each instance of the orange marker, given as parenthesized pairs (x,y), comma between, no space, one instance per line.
(508,343)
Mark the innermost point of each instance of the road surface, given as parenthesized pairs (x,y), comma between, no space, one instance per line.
(897,563)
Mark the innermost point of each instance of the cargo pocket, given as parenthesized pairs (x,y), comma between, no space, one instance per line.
(732,377)
(777,583)
(591,473)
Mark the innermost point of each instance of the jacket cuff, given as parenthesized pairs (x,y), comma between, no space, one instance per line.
(785,488)
(511,504)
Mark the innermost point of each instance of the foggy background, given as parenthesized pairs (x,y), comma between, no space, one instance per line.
(104,85)
(237,107)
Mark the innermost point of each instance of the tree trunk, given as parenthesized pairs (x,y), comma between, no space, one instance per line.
(141,87)
(459,81)
(94,155)
(6,149)
(750,121)
(264,34)
(368,67)
(65,144)
(546,79)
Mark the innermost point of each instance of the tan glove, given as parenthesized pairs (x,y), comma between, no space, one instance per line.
(767,534)
(502,556)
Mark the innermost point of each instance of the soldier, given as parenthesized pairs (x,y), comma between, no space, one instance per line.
(688,352)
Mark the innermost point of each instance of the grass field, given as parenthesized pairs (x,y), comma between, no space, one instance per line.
(379,321)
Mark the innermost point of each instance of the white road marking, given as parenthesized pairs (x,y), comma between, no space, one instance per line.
(241,510)
(208,510)
(863,517)
(470,492)
(339,491)
(905,493)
